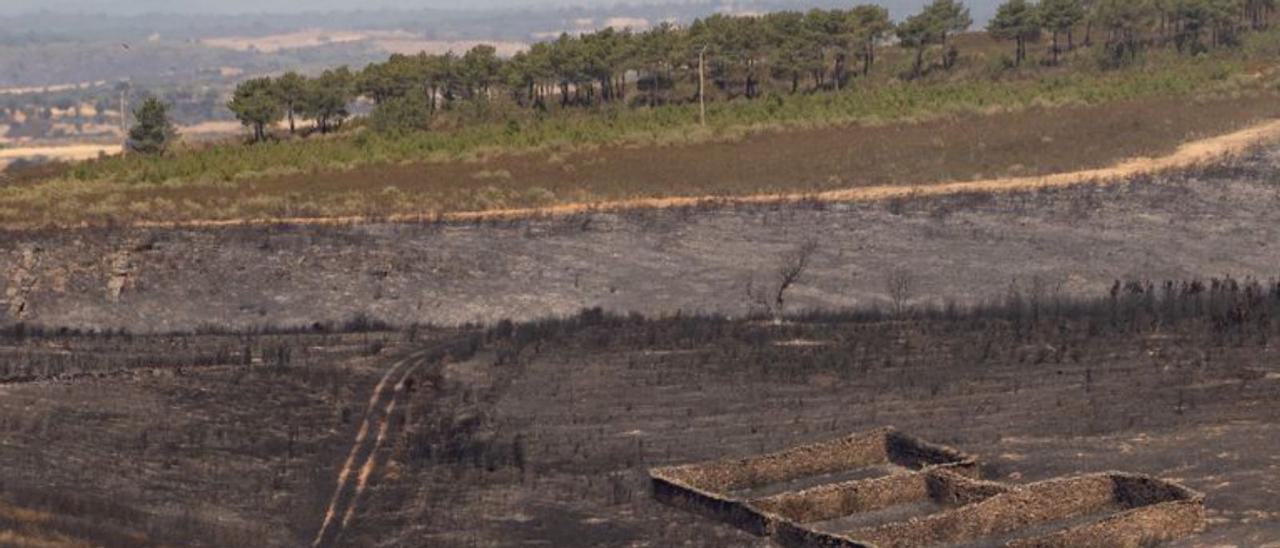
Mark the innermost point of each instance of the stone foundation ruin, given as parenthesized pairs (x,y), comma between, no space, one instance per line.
(887,489)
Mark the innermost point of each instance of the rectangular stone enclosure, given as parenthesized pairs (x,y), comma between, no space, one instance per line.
(888,489)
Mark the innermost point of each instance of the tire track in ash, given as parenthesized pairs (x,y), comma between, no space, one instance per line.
(374,461)
(366,456)
(364,450)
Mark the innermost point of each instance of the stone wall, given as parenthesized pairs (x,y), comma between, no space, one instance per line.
(1110,509)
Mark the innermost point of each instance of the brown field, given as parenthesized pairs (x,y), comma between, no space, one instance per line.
(277,42)
(52,88)
(387,41)
(961,149)
(212,129)
(67,150)
(411,45)
(1036,142)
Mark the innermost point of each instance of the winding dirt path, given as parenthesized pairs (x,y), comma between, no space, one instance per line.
(1188,155)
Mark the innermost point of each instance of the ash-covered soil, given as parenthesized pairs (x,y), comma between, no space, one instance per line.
(542,433)
(550,445)
(1212,221)
(213,440)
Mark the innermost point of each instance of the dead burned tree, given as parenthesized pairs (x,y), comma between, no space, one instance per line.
(793,266)
(900,284)
(790,271)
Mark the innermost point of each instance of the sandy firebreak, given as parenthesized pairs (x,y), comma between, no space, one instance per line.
(68,152)
(1188,155)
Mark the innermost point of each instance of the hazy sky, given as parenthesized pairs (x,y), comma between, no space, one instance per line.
(135,7)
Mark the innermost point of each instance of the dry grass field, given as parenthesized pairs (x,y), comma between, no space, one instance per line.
(397,41)
(294,40)
(61,153)
(1036,142)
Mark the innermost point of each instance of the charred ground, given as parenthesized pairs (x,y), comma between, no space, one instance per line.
(1008,343)
(1215,220)
(542,432)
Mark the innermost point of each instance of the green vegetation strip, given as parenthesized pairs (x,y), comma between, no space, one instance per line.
(673,124)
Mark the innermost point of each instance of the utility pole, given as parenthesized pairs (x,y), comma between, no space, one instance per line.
(124,118)
(124,86)
(702,86)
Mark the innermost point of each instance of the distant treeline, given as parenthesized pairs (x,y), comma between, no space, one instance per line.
(739,57)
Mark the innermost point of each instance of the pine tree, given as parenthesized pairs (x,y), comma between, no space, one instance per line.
(256,105)
(1019,21)
(152,131)
(871,24)
(290,90)
(1125,22)
(1061,17)
(327,98)
(947,17)
(917,33)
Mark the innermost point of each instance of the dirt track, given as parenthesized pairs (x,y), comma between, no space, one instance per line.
(363,460)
